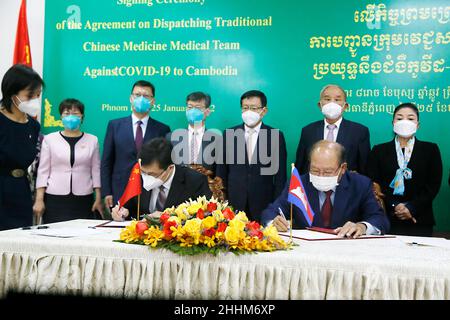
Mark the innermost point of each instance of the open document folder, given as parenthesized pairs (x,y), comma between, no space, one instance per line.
(317,234)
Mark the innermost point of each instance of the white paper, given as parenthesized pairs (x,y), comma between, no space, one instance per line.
(118,224)
(314,235)
(425,241)
(66,232)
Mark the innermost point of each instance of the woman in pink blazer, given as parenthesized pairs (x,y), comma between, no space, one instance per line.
(69,170)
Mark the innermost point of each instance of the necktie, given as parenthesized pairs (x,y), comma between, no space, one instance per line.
(193,147)
(327,208)
(250,144)
(330,135)
(160,202)
(139,137)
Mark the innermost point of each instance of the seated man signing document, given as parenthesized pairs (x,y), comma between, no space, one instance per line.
(342,200)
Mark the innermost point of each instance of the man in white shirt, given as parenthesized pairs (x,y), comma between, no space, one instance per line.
(353,136)
(196,144)
(254,168)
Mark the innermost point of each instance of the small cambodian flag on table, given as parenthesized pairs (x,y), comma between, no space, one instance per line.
(297,196)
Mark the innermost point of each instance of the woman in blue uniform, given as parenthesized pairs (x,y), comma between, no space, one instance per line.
(21,89)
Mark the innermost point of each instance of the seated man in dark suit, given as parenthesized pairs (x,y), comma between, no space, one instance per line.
(341,200)
(164,184)
(124,138)
(353,136)
(196,144)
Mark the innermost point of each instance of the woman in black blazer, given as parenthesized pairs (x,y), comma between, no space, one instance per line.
(409,172)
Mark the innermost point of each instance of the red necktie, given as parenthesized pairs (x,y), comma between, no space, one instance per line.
(327,208)
(139,137)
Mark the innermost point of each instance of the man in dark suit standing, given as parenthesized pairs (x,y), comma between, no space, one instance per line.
(353,136)
(341,200)
(254,170)
(124,138)
(196,144)
(164,184)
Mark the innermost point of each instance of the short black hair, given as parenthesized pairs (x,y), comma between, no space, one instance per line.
(407,105)
(143,83)
(157,150)
(18,78)
(199,96)
(255,93)
(70,103)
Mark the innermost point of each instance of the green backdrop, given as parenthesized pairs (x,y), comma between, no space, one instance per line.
(382,53)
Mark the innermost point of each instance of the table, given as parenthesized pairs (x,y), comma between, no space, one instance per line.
(94,265)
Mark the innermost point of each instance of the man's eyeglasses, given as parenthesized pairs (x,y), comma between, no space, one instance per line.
(325,173)
(251,108)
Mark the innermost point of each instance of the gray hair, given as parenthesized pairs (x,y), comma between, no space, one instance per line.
(333,85)
(338,148)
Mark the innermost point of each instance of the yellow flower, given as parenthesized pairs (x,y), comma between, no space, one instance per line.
(218,215)
(208,222)
(192,227)
(154,235)
(241,216)
(270,232)
(129,234)
(209,241)
(193,208)
(179,211)
(232,236)
(238,224)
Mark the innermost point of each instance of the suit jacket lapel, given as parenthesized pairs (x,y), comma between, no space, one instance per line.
(342,136)
(319,131)
(176,189)
(129,134)
(340,202)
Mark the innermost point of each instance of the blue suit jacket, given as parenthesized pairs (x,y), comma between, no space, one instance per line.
(246,188)
(120,154)
(353,136)
(354,201)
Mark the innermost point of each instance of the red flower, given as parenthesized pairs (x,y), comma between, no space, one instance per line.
(164,217)
(211,206)
(228,214)
(209,232)
(166,228)
(253,225)
(256,233)
(141,226)
(200,213)
(221,227)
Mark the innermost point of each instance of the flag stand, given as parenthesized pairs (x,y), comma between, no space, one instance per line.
(139,206)
(290,229)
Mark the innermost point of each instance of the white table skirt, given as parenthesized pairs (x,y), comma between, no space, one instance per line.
(342,269)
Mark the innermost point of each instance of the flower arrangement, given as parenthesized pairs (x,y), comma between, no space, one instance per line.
(203,226)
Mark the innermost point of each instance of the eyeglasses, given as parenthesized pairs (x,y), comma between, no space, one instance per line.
(136,95)
(190,107)
(152,175)
(324,173)
(251,108)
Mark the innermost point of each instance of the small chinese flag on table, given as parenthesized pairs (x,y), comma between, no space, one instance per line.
(22,51)
(134,186)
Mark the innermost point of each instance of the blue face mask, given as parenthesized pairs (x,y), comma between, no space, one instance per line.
(71,122)
(141,104)
(194,116)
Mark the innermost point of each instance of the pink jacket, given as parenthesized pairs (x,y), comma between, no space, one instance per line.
(54,171)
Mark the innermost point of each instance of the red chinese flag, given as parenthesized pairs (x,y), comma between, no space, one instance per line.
(22,51)
(134,186)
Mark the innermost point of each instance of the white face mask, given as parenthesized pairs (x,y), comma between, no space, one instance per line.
(251,118)
(150,182)
(332,110)
(324,183)
(405,128)
(30,107)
